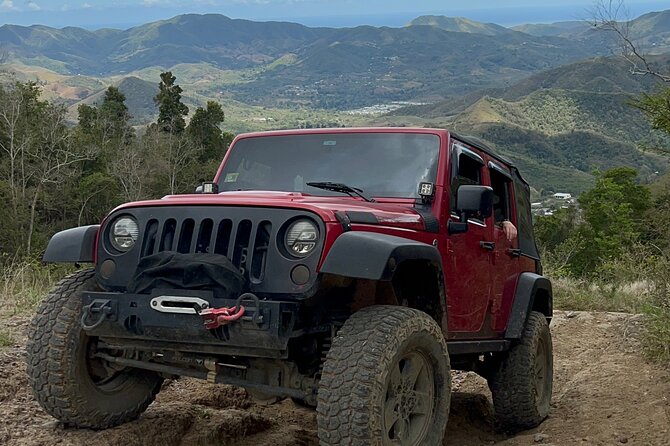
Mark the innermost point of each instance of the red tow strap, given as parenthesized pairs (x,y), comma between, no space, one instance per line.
(216,317)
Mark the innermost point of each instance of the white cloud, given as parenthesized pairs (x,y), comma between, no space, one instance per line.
(8,5)
(33,6)
(86,5)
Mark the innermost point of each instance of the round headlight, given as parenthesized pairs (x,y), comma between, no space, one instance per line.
(123,233)
(301,238)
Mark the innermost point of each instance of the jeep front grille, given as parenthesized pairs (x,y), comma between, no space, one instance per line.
(244,241)
(250,236)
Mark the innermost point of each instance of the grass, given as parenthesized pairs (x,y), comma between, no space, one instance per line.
(6,338)
(582,295)
(23,286)
(638,283)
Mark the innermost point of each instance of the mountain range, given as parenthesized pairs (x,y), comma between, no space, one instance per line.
(550,96)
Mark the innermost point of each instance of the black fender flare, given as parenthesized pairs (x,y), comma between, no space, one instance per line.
(374,256)
(532,292)
(74,245)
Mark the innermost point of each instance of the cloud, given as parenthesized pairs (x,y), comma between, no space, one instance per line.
(86,5)
(33,6)
(8,5)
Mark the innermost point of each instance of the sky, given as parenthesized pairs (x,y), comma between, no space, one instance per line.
(95,14)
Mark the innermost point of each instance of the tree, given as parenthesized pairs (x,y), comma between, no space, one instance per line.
(105,131)
(612,16)
(171,111)
(205,131)
(52,160)
(657,108)
(613,213)
(553,230)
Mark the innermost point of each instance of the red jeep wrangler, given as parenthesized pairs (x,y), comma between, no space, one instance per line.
(348,269)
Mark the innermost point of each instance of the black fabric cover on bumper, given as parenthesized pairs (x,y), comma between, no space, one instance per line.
(201,271)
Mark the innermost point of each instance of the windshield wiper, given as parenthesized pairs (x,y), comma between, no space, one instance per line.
(341,187)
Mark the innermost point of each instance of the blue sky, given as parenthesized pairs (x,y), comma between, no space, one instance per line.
(126,13)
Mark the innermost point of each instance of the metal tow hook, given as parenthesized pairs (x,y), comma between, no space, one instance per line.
(102,308)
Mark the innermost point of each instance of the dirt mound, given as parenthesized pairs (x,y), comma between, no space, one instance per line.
(604,394)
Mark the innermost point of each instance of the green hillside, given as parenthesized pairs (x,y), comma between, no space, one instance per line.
(651,31)
(560,124)
(278,63)
(460,24)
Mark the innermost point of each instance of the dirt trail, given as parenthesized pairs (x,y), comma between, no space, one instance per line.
(604,394)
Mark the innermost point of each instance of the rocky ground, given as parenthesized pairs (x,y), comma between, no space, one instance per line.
(605,393)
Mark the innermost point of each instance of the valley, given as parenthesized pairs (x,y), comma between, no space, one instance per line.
(553,98)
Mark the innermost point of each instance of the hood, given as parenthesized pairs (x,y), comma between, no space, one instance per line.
(397,212)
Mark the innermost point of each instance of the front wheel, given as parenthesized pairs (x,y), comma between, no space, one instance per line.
(67,380)
(386,380)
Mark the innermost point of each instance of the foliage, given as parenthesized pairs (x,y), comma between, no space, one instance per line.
(204,129)
(171,110)
(23,285)
(657,108)
(611,220)
(612,256)
(54,176)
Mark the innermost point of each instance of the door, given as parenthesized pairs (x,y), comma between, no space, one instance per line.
(466,259)
(505,255)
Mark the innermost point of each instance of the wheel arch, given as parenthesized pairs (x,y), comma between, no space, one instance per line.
(533,293)
(413,269)
(75,245)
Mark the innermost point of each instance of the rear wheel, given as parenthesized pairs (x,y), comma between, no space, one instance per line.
(67,380)
(386,380)
(522,382)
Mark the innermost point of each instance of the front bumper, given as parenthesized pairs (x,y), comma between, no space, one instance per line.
(129,321)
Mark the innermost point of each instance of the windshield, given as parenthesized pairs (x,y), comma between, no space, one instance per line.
(380,164)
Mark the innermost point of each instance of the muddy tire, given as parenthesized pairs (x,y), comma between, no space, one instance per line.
(386,380)
(70,386)
(521,384)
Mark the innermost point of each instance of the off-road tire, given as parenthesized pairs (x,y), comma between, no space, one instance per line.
(521,383)
(374,346)
(58,368)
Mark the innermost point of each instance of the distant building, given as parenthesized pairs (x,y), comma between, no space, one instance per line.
(562,196)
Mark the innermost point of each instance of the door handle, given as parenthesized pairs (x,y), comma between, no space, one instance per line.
(514,252)
(489,246)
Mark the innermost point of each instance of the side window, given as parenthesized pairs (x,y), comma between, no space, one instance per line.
(501,184)
(469,172)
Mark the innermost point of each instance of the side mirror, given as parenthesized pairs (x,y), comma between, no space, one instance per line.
(471,201)
(198,189)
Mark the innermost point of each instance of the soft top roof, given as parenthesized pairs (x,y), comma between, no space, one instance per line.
(478,143)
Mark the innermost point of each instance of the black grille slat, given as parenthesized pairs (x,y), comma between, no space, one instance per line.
(261,242)
(241,244)
(159,237)
(202,236)
(232,241)
(225,229)
(168,232)
(150,240)
(251,247)
(185,239)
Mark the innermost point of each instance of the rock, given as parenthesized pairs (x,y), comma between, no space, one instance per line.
(622,439)
(539,438)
